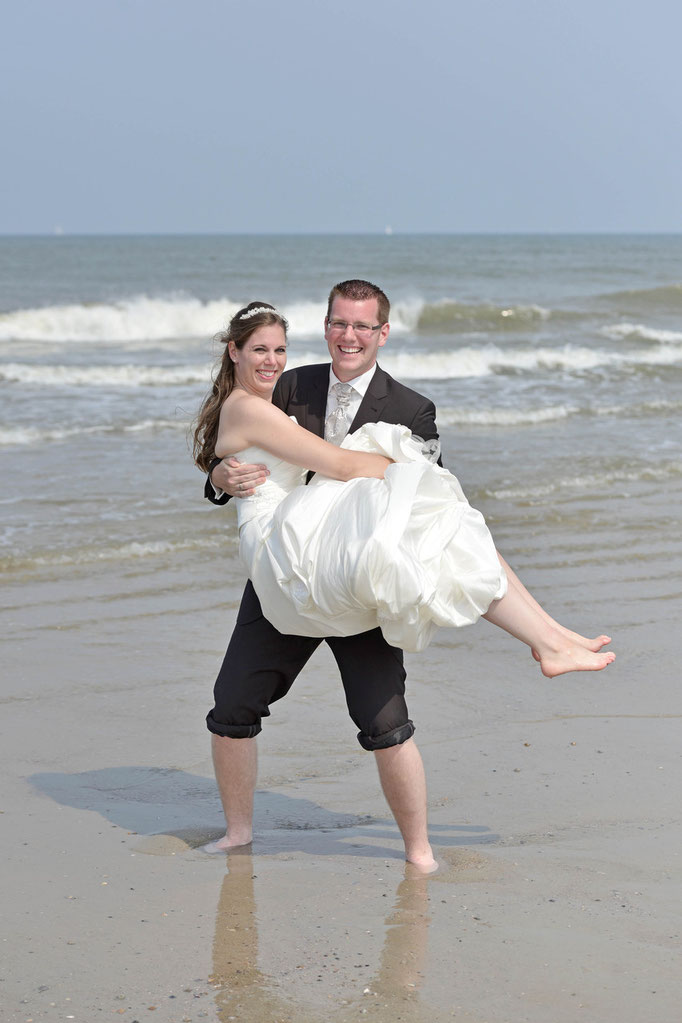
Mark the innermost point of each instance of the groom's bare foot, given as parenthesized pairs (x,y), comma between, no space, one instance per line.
(415,870)
(227,843)
(424,867)
(575,658)
(422,860)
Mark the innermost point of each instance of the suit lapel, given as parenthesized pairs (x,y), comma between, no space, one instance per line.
(372,405)
(316,403)
(306,397)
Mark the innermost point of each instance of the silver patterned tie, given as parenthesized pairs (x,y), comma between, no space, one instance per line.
(337,422)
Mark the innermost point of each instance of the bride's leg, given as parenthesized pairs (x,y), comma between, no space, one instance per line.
(514,582)
(556,652)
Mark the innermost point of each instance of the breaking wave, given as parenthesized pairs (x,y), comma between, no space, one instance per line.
(123,552)
(449,316)
(131,375)
(589,482)
(666,296)
(144,318)
(448,416)
(504,417)
(451,364)
(638,332)
(13,436)
(135,319)
(176,316)
(102,376)
(478,362)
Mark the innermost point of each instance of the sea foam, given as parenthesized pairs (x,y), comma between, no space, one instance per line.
(102,376)
(449,416)
(469,361)
(504,417)
(637,331)
(449,364)
(589,482)
(134,319)
(123,552)
(143,318)
(13,436)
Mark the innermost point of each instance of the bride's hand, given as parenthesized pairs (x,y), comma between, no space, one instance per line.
(237,479)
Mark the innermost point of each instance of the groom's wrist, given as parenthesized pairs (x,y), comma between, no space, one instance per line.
(211,466)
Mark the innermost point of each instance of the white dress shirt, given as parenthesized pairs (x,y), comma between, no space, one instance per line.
(358,391)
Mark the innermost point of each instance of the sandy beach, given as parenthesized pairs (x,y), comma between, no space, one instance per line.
(554,812)
(554,363)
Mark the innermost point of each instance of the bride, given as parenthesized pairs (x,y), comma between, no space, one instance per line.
(381,536)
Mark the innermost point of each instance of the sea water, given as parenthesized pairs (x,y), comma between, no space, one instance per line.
(555,363)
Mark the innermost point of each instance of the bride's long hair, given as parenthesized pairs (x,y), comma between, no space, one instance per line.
(242,326)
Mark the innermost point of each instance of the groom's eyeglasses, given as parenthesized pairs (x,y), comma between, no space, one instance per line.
(359,329)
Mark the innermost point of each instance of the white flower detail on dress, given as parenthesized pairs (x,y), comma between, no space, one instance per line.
(430,448)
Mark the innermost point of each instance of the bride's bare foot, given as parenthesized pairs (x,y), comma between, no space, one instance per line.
(594,645)
(573,658)
(226,844)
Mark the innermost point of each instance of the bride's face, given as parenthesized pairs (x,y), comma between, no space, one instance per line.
(260,363)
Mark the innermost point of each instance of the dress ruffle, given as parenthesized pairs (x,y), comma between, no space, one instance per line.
(406,553)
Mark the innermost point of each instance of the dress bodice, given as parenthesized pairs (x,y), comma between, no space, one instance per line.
(282,479)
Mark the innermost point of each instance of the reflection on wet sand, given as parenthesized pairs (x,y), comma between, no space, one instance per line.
(403,957)
(243,991)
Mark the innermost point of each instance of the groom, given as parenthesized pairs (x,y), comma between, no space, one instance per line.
(261,664)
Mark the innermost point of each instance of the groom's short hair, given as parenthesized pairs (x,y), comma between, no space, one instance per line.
(360,291)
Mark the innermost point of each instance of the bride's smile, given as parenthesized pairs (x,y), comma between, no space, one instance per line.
(260,363)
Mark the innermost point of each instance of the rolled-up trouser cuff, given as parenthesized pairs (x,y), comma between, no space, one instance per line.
(231,731)
(395,737)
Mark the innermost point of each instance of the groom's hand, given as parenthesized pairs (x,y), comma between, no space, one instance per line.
(237,479)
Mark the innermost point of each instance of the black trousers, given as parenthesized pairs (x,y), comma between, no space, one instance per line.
(261,664)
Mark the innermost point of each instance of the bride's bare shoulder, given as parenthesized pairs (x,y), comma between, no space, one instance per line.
(248,406)
(247,420)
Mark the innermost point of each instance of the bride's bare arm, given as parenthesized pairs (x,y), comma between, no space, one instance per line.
(246,421)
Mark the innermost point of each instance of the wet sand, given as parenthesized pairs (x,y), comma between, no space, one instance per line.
(554,813)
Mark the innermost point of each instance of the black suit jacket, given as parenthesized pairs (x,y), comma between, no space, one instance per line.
(302,393)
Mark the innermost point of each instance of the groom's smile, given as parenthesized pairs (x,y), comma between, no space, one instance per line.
(353,355)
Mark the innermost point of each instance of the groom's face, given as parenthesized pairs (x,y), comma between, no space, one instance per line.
(352,353)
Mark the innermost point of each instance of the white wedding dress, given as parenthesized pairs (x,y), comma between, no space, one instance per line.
(407,553)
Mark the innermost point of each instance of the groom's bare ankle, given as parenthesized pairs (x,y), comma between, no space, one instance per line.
(422,861)
(235,839)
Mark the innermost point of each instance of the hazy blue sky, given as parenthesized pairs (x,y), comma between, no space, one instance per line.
(269,116)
